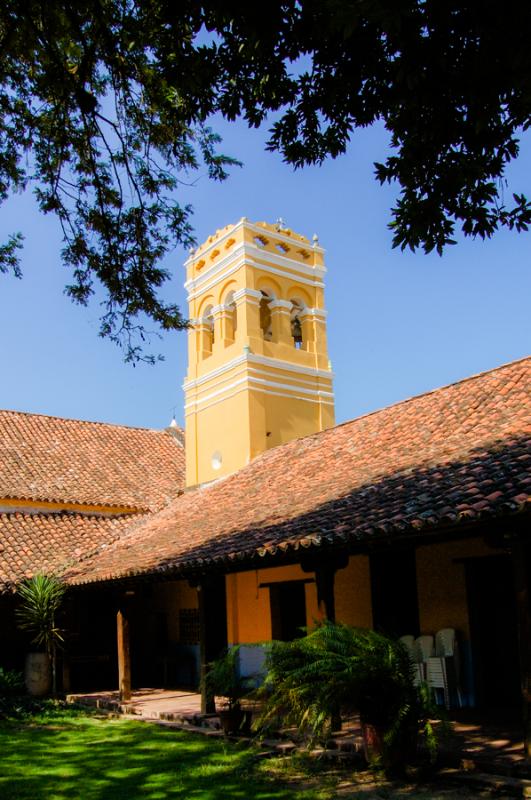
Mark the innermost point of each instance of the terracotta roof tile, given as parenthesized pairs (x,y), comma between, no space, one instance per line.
(458,454)
(71,461)
(31,543)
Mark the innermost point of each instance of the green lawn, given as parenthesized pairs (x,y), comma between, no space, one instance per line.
(98,759)
(62,755)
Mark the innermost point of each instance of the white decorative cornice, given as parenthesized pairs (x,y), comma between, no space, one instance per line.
(246,294)
(280,305)
(276,388)
(197,288)
(252,358)
(214,373)
(289,366)
(245,249)
(283,261)
(276,236)
(313,312)
(215,268)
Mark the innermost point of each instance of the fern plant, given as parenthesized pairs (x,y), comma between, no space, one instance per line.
(355,669)
(41,598)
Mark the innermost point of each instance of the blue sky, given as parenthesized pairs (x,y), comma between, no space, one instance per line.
(399,323)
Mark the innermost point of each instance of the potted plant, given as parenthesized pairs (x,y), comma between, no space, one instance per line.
(354,669)
(223,680)
(41,598)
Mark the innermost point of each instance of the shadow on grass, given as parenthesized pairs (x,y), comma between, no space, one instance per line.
(97,759)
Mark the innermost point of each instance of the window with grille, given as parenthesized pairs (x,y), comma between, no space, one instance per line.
(189,626)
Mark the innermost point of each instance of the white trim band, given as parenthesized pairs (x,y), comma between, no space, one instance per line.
(275,363)
(249,383)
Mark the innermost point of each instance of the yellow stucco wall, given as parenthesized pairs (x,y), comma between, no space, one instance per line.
(248,605)
(441,584)
(222,429)
(286,419)
(440,581)
(353,593)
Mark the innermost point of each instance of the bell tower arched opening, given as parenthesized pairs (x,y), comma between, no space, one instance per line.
(265,316)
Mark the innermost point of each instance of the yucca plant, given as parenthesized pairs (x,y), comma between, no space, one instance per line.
(354,669)
(41,598)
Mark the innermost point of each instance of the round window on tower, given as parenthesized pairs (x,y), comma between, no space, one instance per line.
(217,460)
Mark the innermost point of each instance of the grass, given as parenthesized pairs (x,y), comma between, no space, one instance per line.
(64,754)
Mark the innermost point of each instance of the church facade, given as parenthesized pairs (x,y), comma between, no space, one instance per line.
(412,519)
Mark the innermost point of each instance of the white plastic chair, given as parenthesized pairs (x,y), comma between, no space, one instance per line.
(424,648)
(446,676)
(437,678)
(409,642)
(445,642)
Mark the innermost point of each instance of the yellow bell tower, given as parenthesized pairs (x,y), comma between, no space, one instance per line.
(258,368)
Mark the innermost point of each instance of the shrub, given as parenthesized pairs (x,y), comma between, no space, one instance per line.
(11,683)
(25,707)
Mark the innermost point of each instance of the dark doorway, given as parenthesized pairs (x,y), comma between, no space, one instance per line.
(395,608)
(90,640)
(288,610)
(215,609)
(493,632)
(148,631)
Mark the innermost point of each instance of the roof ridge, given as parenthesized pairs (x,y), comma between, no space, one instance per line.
(85,421)
(430,391)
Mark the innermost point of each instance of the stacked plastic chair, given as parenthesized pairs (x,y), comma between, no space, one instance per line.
(443,669)
(436,662)
(417,662)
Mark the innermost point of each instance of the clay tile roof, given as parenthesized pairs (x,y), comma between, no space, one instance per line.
(49,543)
(71,461)
(455,455)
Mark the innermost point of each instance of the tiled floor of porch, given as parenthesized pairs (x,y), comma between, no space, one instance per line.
(491,742)
(148,703)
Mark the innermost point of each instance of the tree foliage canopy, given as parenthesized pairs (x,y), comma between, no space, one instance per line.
(105,104)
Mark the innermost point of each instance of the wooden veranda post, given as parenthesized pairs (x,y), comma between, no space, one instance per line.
(124,654)
(208,705)
(325,580)
(325,568)
(212,604)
